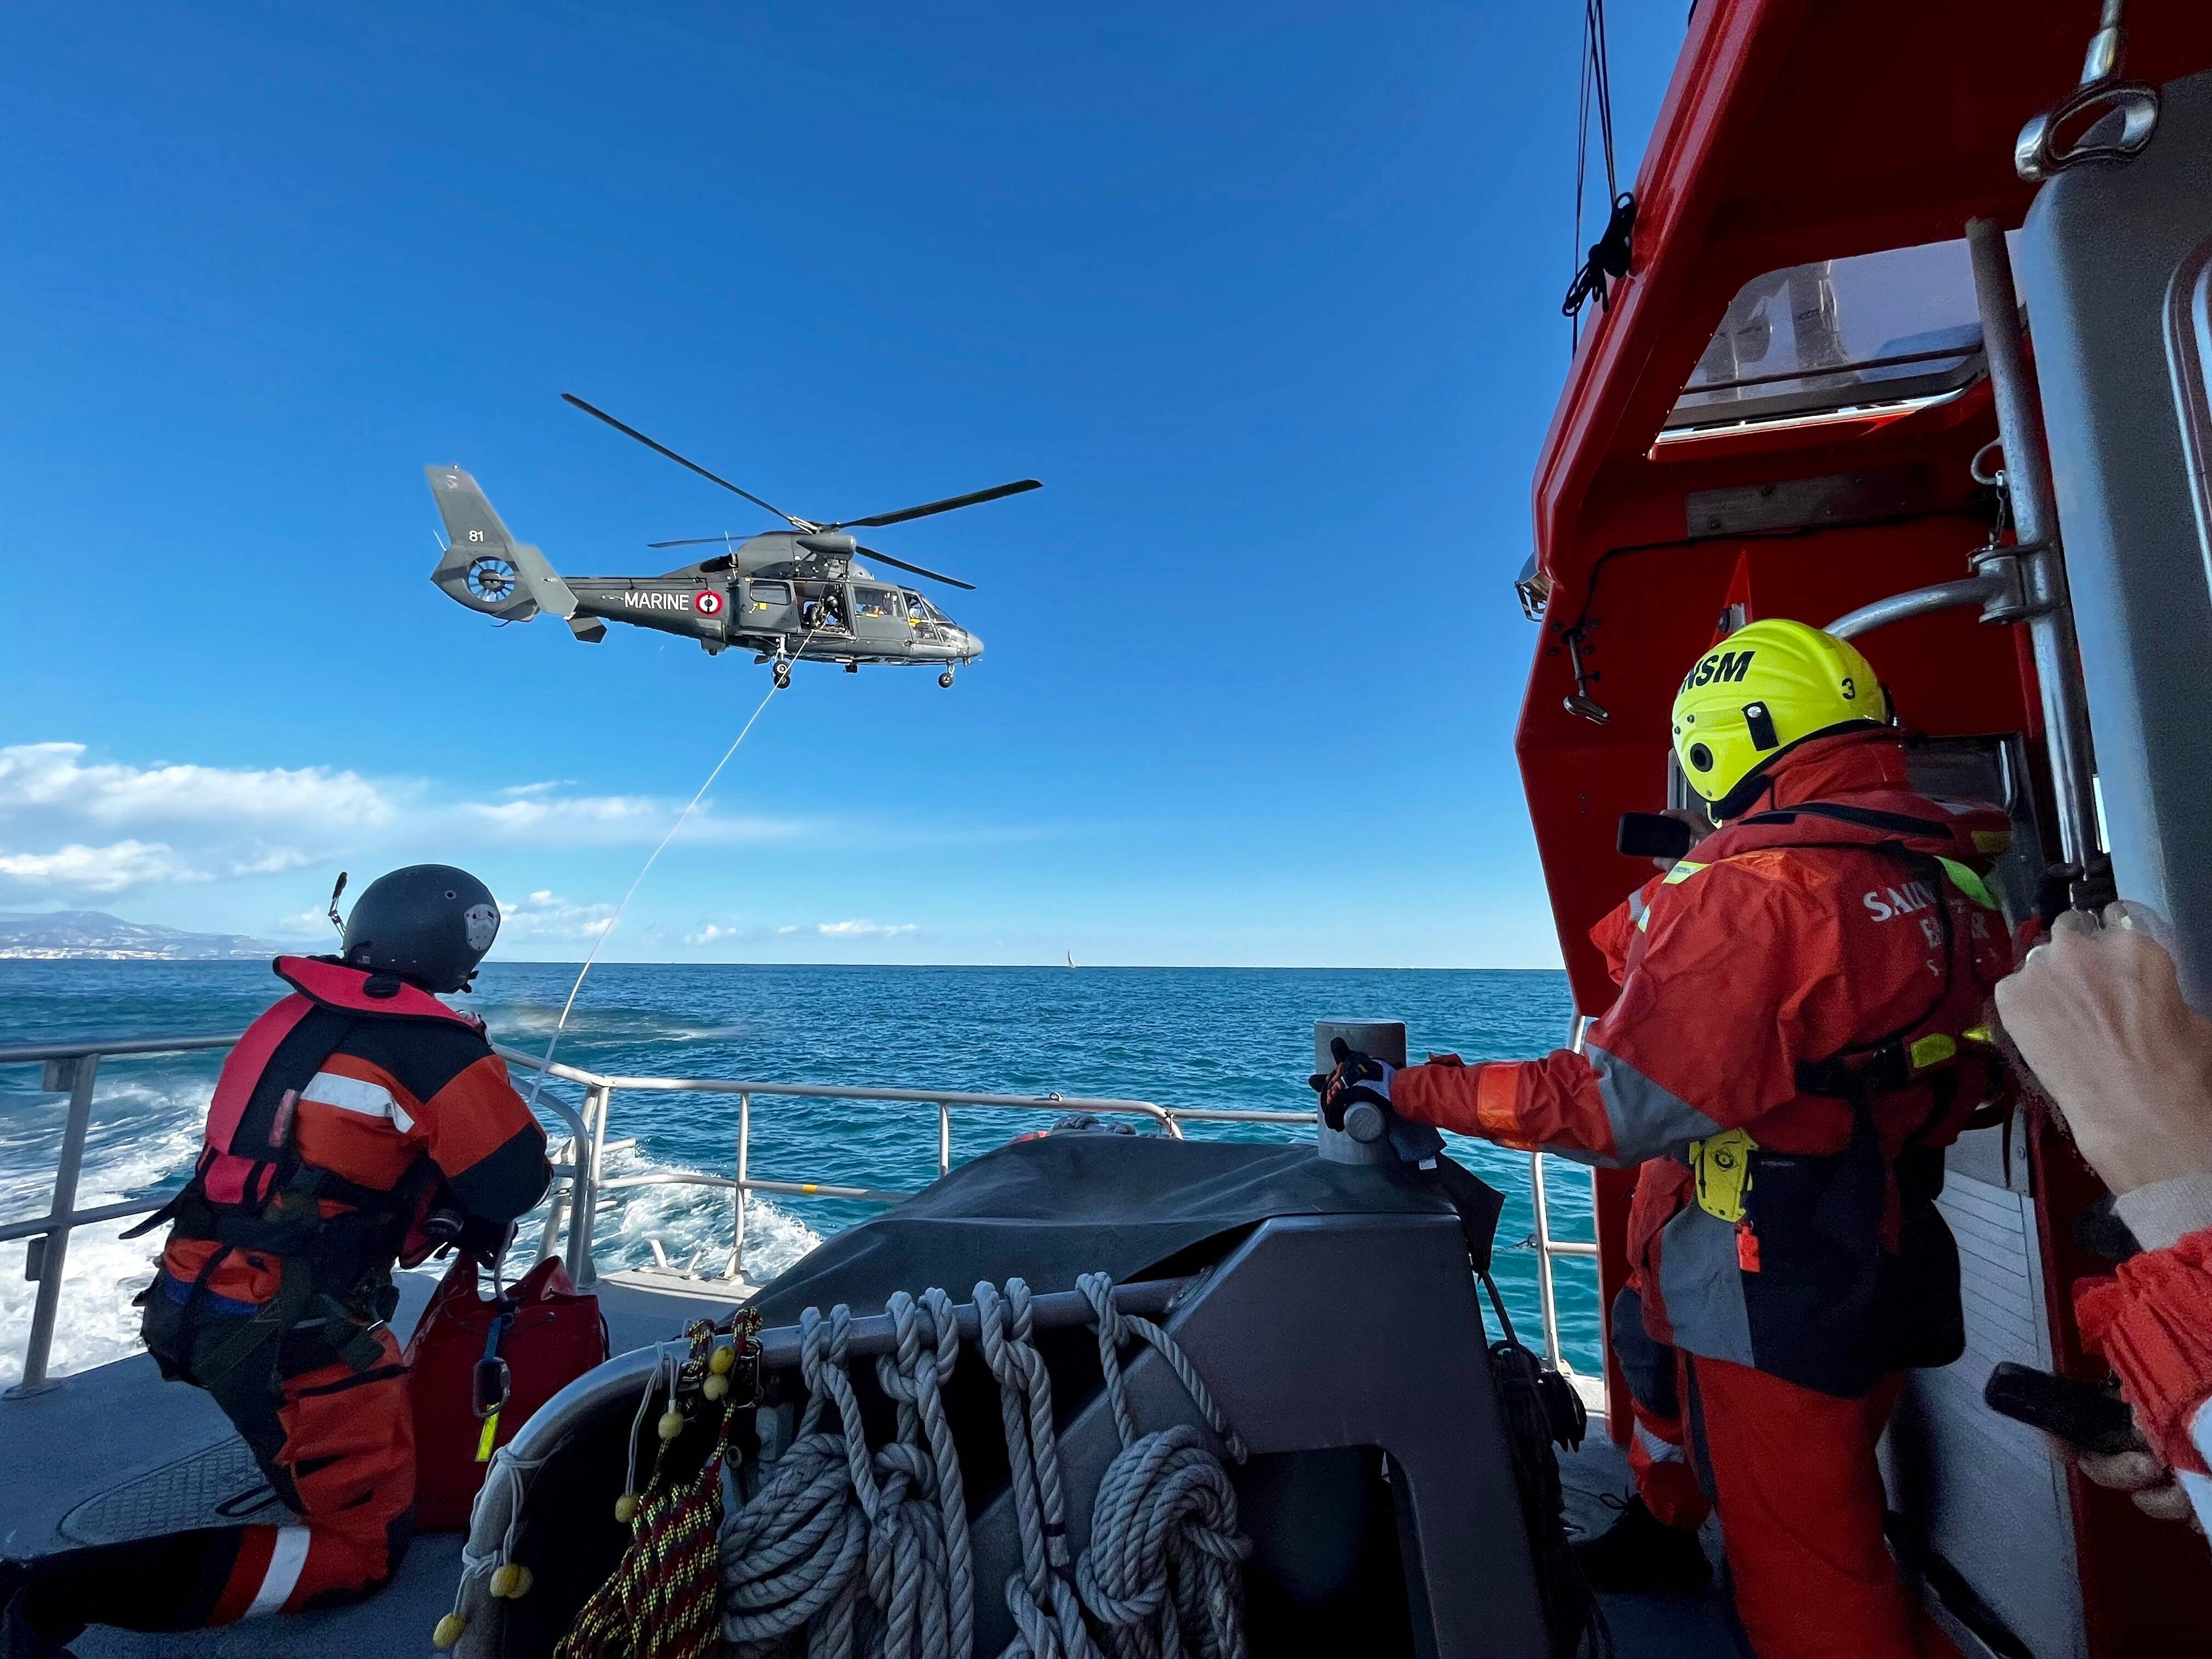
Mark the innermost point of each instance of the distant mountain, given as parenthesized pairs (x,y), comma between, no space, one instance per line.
(48,935)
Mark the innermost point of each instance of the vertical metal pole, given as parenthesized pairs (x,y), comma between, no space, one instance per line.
(745,1157)
(2028,481)
(943,1139)
(1547,1292)
(557,1207)
(76,1076)
(586,1200)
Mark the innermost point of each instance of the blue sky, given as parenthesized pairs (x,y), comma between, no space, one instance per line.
(1267,296)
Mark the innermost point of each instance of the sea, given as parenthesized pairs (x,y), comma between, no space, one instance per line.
(1177,1036)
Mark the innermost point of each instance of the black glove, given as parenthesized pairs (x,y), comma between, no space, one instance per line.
(1358,1077)
(486,1242)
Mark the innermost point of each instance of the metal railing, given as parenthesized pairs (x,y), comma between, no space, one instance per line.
(579,1182)
(1548,1248)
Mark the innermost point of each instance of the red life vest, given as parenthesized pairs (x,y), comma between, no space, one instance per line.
(240,1161)
(1848,1270)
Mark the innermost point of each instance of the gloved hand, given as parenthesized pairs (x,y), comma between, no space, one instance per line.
(487,1241)
(1357,1077)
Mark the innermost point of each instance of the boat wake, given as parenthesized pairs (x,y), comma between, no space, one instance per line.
(141,1143)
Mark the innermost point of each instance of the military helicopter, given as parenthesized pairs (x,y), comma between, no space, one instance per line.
(786,595)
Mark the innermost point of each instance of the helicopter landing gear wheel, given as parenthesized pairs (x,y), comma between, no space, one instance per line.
(945,679)
(782,676)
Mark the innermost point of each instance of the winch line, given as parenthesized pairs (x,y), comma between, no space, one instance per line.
(606,933)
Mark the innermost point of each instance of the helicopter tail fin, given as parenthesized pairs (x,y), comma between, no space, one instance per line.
(486,569)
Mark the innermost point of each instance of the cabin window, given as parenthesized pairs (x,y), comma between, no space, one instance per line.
(766,594)
(1875,332)
(875,602)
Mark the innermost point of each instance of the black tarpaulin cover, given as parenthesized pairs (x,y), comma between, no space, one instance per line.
(1051,1209)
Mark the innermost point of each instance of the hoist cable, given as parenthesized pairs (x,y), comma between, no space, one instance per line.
(545,1065)
(1608,257)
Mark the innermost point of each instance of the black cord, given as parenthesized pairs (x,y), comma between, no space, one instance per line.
(1606,259)
(1540,1412)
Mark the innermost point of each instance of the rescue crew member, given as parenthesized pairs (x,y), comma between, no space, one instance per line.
(2097,1012)
(358,1123)
(1792,1046)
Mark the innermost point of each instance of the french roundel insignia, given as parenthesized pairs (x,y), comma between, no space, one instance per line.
(708,602)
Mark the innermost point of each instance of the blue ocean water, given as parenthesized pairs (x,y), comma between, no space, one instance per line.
(1182,1038)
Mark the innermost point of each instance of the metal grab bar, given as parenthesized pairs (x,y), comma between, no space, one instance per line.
(74,1065)
(1548,1248)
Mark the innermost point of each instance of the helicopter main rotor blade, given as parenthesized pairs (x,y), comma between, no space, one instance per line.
(699,541)
(663,449)
(901,564)
(947,506)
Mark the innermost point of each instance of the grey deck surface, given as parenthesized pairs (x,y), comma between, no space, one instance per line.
(115,1452)
(97,1446)
(1644,1626)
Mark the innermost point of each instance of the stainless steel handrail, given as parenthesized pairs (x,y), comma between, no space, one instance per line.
(1548,1248)
(73,1066)
(573,1205)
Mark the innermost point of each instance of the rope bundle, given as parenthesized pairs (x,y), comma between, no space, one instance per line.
(834,1521)
(659,1601)
(867,1551)
(1166,1554)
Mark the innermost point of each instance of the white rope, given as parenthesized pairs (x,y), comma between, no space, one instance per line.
(867,1551)
(1046,1579)
(1165,1558)
(545,1065)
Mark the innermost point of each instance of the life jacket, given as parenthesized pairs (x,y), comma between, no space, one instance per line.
(1848,1269)
(249,1190)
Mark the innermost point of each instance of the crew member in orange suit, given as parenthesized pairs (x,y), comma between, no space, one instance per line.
(1798,1033)
(359,1122)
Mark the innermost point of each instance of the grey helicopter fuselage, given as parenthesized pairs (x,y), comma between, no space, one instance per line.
(784,595)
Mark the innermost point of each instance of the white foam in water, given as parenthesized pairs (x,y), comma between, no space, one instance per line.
(160,1133)
(95,1323)
(693,1224)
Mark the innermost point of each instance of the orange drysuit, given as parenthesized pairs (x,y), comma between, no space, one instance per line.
(345,1115)
(1798,1006)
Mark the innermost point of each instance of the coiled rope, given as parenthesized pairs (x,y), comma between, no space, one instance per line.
(660,1602)
(867,1551)
(1164,1561)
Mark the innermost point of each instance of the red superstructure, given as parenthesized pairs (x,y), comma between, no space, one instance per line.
(1793,133)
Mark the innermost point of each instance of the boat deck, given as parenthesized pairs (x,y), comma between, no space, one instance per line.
(112,1453)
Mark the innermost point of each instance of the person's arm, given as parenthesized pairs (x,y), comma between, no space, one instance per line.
(1694,1043)
(2097,1016)
(2152,1323)
(483,1141)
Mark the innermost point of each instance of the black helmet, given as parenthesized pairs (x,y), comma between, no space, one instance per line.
(429,923)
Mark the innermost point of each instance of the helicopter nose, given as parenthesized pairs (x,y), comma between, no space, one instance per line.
(975,645)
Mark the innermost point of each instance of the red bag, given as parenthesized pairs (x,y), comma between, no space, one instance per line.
(466,1353)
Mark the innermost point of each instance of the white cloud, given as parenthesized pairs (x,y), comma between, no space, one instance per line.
(53,781)
(709,933)
(547,915)
(126,864)
(60,814)
(107,869)
(597,820)
(862,929)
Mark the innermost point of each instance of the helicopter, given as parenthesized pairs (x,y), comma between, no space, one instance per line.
(788,596)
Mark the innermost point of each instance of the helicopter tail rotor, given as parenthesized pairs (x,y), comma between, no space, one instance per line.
(484,566)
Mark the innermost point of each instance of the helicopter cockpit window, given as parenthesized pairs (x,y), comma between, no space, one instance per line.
(1876,331)
(875,602)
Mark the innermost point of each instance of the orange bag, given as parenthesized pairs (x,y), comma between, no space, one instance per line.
(479,1369)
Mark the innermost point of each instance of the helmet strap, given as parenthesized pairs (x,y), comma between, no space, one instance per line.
(1760,780)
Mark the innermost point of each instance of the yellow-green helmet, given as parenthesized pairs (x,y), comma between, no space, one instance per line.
(1767,687)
